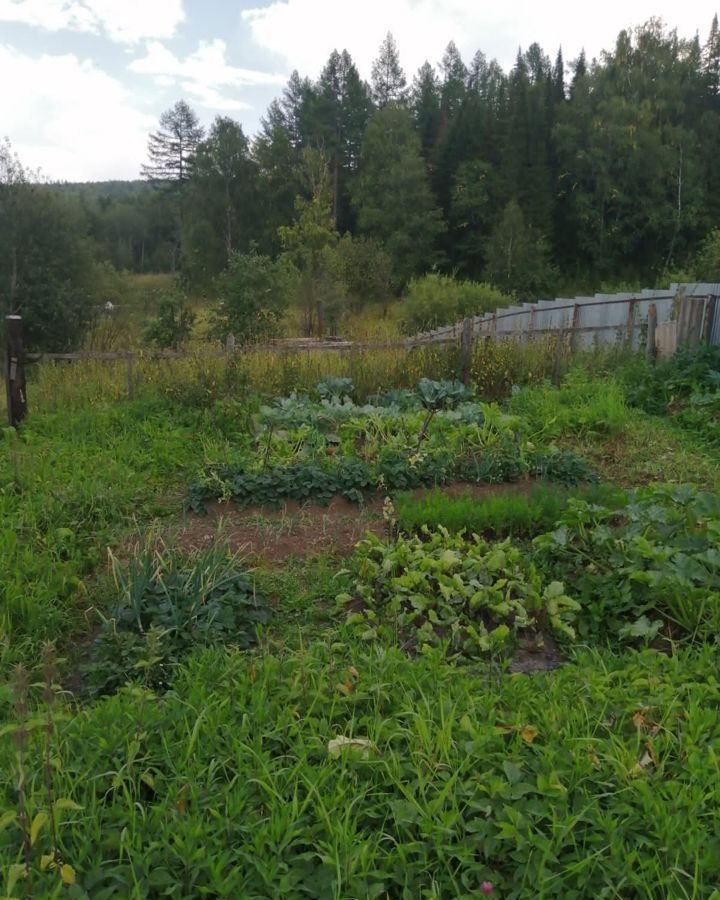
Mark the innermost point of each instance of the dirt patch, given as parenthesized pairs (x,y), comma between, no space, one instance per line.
(536,654)
(295,530)
(304,530)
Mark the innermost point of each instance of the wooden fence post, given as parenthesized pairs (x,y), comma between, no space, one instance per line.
(650,348)
(574,326)
(707,327)
(130,381)
(466,342)
(15,371)
(557,366)
(230,346)
(630,324)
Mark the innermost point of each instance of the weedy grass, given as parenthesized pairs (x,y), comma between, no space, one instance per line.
(580,408)
(71,485)
(336,770)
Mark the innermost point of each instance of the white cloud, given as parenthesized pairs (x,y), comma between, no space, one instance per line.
(304,32)
(70,118)
(203,74)
(124,21)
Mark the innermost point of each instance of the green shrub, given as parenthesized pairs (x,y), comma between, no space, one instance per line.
(172,324)
(253,295)
(441,300)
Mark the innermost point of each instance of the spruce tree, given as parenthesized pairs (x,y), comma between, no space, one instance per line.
(392,196)
(387,76)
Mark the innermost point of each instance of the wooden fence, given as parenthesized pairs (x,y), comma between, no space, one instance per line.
(658,321)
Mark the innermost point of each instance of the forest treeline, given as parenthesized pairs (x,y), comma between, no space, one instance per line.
(550,176)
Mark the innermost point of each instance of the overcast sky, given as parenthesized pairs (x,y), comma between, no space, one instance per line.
(82,82)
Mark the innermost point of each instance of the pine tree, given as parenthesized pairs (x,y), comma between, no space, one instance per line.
(339,114)
(387,77)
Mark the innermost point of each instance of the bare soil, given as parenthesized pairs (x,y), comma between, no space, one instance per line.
(302,531)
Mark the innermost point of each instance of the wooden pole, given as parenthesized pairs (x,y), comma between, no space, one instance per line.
(130,380)
(575,325)
(466,342)
(630,325)
(15,371)
(650,348)
(557,366)
(710,307)
(230,346)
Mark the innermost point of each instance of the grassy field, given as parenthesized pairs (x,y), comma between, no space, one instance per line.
(211,692)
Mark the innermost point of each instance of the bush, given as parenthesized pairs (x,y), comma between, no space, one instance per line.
(173,323)
(253,296)
(435,300)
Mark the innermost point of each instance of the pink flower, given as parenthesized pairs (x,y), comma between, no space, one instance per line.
(486,887)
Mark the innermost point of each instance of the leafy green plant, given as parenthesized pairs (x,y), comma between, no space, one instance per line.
(653,555)
(437,588)
(166,607)
(579,407)
(335,388)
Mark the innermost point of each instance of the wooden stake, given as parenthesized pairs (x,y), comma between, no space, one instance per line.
(557,367)
(15,371)
(650,348)
(466,342)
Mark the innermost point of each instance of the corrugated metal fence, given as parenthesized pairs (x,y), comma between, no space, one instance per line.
(601,319)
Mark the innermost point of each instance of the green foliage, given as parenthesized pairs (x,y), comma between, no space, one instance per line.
(686,388)
(337,448)
(46,269)
(514,513)
(173,322)
(366,271)
(166,607)
(253,295)
(707,263)
(438,589)
(578,407)
(438,299)
(654,555)
(518,258)
(489,767)
(436,395)
(392,197)
(335,388)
